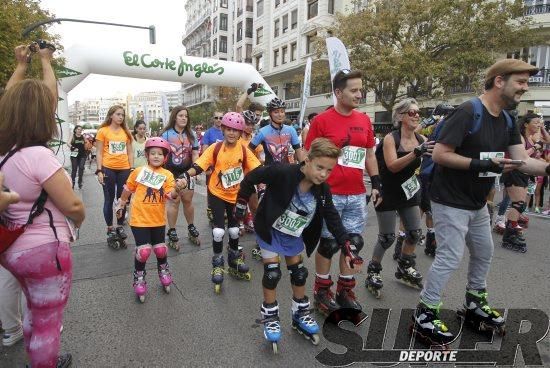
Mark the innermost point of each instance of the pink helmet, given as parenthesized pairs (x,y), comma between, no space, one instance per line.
(233,120)
(160,143)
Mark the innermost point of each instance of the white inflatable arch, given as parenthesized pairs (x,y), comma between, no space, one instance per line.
(148,63)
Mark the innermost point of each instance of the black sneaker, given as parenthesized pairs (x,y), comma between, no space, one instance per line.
(64,361)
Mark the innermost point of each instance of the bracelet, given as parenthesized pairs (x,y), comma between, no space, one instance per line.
(98,171)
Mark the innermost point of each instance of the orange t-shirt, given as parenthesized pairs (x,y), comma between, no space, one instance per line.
(228,171)
(245,141)
(115,148)
(149,186)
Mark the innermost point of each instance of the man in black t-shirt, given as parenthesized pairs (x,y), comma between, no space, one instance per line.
(467,163)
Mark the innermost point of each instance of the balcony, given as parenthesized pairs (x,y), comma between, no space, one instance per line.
(201,20)
(536,9)
(460,89)
(541,79)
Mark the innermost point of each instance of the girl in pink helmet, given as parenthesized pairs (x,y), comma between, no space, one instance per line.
(150,186)
(231,161)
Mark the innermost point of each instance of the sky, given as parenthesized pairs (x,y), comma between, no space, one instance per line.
(168,17)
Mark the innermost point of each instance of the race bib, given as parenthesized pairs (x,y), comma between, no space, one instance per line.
(487,156)
(353,157)
(74,153)
(150,179)
(232,177)
(117,148)
(531,186)
(411,187)
(291,223)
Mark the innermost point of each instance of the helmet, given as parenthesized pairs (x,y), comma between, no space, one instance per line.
(160,143)
(233,120)
(250,117)
(443,109)
(275,103)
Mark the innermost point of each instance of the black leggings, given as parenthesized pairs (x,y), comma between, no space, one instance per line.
(220,208)
(114,181)
(77,164)
(148,235)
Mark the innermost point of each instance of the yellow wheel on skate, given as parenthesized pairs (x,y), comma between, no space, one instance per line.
(315,339)
(174,245)
(247,276)
(217,288)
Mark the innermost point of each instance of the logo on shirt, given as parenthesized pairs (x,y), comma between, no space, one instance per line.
(117,148)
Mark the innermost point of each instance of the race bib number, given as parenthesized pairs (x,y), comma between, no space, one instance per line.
(117,148)
(488,156)
(74,153)
(531,186)
(232,177)
(353,157)
(150,179)
(291,223)
(411,187)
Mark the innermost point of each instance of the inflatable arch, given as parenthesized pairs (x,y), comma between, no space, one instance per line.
(148,63)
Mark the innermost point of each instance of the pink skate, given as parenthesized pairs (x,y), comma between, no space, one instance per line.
(140,285)
(165,277)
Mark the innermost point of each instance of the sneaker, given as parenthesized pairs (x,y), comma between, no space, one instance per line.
(11,338)
(537,210)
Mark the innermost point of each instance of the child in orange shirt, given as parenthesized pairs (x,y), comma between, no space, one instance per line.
(230,160)
(150,185)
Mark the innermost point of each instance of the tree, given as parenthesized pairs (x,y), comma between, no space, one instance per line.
(227,99)
(430,46)
(201,114)
(16,15)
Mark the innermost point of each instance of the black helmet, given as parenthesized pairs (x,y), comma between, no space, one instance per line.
(250,117)
(274,104)
(443,109)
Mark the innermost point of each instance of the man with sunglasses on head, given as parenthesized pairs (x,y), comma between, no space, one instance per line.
(469,152)
(350,130)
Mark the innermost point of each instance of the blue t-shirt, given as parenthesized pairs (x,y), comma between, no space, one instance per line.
(212,135)
(276,142)
(285,244)
(181,155)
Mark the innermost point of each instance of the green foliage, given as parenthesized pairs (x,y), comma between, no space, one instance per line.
(430,46)
(201,114)
(155,125)
(15,16)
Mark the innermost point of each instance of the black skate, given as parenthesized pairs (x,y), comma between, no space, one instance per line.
(121,233)
(193,235)
(429,329)
(218,270)
(430,244)
(345,297)
(173,239)
(114,241)
(236,266)
(407,273)
(373,281)
(323,296)
(257,253)
(479,315)
(512,239)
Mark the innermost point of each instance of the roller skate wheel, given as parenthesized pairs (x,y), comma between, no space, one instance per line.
(167,289)
(376,292)
(116,244)
(217,288)
(247,276)
(315,339)
(123,244)
(275,347)
(142,298)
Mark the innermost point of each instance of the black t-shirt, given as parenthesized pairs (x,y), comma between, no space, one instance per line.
(78,145)
(464,189)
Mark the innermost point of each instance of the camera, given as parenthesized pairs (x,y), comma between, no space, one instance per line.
(42,44)
(547,125)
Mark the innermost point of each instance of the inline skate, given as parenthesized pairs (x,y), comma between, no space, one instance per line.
(373,282)
(173,239)
(272,324)
(407,273)
(479,315)
(323,297)
(500,224)
(165,277)
(430,244)
(114,240)
(235,264)
(513,239)
(257,253)
(428,328)
(303,322)
(249,223)
(140,285)
(193,235)
(345,297)
(218,270)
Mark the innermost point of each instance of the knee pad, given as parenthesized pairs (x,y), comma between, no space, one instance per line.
(217,234)
(298,274)
(413,236)
(272,275)
(328,247)
(386,240)
(143,252)
(519,206)
(233,232)
(357,240)
(161,250)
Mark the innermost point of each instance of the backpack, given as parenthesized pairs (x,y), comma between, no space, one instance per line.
(217,149)
(379,152)
(427,168)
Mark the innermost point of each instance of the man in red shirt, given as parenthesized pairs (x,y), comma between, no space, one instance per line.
(350,130)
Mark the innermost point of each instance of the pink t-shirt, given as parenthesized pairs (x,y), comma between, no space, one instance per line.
(24,173)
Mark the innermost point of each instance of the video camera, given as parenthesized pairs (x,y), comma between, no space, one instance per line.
(42,44)
(441,110)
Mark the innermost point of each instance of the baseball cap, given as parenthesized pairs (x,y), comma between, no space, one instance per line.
(509,66)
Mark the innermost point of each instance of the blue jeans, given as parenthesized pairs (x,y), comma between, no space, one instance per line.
(353,212)
(113,180)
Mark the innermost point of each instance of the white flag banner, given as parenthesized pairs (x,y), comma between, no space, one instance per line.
(337,58)
(165,112)
(305,92)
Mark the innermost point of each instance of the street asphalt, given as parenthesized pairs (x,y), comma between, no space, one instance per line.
(105,326)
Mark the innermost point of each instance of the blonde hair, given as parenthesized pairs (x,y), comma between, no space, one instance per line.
(27,115)
(401,108)
(110,113)
(323,147)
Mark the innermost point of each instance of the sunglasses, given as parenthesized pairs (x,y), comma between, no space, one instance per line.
(217,117)
(413,113)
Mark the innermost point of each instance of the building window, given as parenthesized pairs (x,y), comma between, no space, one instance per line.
(248,55)
(331,6)
(260,8)
(239,54)
(312,8)
(249,5)
(223,22)
(260,62)
(239,31)
(248,28)
(275,57)
(309,43)
(293,49)
(215,46)
(284,54)
(277,2)
(259,35)
(276,28)
(294,19)
(223,4)
(223,44)
(215,30)
(285,23)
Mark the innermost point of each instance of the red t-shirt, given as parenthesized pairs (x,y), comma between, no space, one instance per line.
(354,135)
